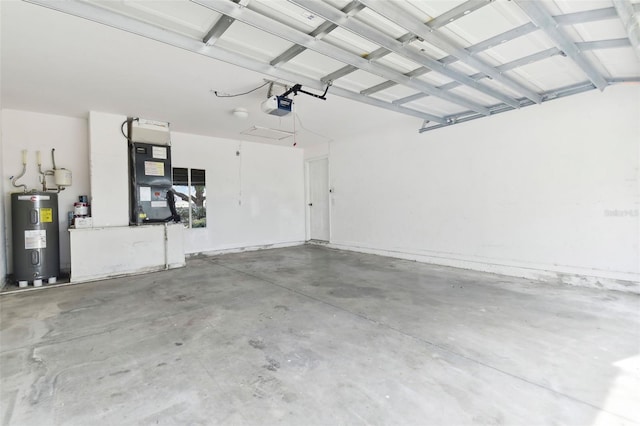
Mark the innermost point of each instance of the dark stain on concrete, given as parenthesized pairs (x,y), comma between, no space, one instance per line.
(284,308)
(257,344)
(272,365)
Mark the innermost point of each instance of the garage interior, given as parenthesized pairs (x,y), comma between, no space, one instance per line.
(320,212)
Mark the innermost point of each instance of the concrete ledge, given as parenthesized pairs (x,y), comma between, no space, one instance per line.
(101,253)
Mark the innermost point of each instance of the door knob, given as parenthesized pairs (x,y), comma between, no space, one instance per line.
(310,204)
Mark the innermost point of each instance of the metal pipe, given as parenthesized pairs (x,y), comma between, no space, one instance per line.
(24,170)
(53,158)
(43,175)
(166,246)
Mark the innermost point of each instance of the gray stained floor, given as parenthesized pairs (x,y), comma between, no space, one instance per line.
(308,335)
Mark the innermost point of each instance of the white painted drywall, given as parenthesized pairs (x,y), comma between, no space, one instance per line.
(3,247)
(316,150)
(109,171)
(255,193)
(34,131)
(256,199)
(549,191)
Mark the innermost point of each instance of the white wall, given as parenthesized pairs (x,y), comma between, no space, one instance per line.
(109,170)
(547,188)
(35,131)
(254,199)
(3,248)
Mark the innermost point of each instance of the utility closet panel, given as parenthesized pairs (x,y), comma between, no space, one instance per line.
(149,171)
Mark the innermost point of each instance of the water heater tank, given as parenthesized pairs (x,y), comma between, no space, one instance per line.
(36,253)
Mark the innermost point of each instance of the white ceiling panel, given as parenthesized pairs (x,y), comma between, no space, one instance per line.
(359,80)
(507,90)
(573,6)
(313,64)
(427,10)
(296,17)
(474,95)
(181,16)
(520,69)
(620,62)
(348,41)
(398,63)
(601,30)
(511,50)
(252,42)
(463,68)
(398,91)
(473,26)
(434,78)
(436,106)
(380,23)
(550,73)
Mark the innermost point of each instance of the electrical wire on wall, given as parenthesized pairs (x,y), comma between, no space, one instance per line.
(296,116)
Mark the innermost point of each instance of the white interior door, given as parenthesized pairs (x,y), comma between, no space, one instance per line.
(319,199)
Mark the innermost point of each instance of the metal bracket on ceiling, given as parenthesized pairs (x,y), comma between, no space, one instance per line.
(424,127)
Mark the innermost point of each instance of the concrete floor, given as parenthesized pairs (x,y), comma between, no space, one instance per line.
(309,335)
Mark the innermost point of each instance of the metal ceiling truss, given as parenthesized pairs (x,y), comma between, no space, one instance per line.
(232,10)
(545,21)
(331,14)
(285,32)
(323,29)
(412,24)
(631,21)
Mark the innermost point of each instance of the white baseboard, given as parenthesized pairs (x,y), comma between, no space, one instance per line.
(621,281)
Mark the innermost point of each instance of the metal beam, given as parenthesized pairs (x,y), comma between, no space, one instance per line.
(502,38)
(545,21)
(529,59)
(586,16)
(478,76)
(603,44)
(103,16)
(217,30)
(331,14)
(457,13)
(285,32)
(547,96)
(415,26)
(404,39)
(376,54)
(323,29)
(329,78)
(623,80)
(631,22)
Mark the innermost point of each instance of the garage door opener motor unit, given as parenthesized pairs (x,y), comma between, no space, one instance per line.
(151,195)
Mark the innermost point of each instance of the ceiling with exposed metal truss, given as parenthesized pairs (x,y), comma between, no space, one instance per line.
(444,62)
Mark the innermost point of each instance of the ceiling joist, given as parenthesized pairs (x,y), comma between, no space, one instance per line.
(545,21)
(283,31)
(413,24)
(380,27)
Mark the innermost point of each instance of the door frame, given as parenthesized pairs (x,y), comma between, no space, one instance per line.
(307,195)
